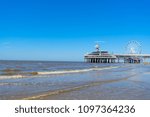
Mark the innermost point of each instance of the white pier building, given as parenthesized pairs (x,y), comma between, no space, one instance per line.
(99,56)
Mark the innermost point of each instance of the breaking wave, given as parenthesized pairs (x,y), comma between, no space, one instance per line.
(74,71)
(42,74)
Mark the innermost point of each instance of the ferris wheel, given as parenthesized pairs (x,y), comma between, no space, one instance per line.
(134,47)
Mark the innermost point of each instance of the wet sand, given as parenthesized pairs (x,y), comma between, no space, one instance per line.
(125,89)
(125,82)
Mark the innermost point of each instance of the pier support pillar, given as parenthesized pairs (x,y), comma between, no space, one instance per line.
(118,60)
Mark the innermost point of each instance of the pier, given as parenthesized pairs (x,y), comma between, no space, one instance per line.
(132,58)
(99,56)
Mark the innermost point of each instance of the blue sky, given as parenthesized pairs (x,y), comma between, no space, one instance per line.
(64,30)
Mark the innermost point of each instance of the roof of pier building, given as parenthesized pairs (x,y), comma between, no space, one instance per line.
(100,54)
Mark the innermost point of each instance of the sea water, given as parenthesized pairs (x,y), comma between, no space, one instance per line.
(73,80)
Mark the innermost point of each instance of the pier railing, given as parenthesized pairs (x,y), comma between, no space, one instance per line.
(132,55)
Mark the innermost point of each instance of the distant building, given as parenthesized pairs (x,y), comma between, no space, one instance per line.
(99,56)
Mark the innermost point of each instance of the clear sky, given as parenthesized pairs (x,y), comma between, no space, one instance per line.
(62,30)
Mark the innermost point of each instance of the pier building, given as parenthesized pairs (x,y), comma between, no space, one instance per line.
(99,56)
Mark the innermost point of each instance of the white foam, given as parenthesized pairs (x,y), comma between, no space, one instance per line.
(40,74)
(13,76)
(74,71)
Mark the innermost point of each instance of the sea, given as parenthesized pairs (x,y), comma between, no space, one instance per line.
(53,80)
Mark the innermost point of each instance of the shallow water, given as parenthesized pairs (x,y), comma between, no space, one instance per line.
(102,81)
